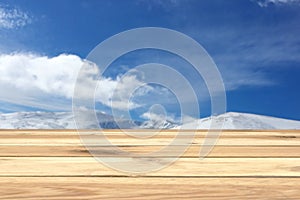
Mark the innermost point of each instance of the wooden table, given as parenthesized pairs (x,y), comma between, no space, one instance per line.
(53,164)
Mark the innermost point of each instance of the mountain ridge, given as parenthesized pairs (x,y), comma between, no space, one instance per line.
(236,120)
(64,120)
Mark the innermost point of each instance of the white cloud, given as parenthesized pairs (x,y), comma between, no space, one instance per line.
(48,83)
(32,73)
(11,18)
(117,93)
(43,82)
(157,113)
(154,117)
(265,3)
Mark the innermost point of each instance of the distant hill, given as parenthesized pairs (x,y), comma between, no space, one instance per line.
(234,120)
(64,120)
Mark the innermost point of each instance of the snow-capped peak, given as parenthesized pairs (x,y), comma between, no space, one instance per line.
(235,120)
(64,120)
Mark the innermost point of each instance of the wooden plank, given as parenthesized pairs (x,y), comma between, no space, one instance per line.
(88,166)
(71,140)
(53,164)
(81,188)
(192,151)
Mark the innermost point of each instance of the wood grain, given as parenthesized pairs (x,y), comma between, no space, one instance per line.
(244,164)
(88,166)
(140,188)
(226,138)
(192,152)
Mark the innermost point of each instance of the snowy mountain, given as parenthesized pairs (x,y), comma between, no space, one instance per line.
(64,120)
(158,124)
(37,120)
(234,120)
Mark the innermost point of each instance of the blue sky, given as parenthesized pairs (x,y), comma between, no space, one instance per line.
(255,44)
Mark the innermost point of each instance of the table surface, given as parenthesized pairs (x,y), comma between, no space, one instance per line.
(244,164)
